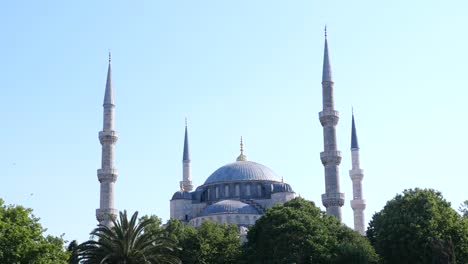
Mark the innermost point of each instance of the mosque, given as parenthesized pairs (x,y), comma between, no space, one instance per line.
(238,192)
(241,191)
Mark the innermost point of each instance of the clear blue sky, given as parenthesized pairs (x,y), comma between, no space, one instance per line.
(250,68)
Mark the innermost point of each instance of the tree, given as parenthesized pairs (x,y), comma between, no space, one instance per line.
(126,242)
(464,209)
(298,232)
(22,239)
(187,240)
(73,251)
(210,243)
(219,243)
(419,226)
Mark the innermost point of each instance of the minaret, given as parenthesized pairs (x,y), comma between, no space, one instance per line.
(186,183)
(107,174)
(332,199)
(356,173)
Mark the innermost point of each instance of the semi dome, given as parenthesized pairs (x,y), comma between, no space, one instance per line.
(181,195)
(229,207)
(243,171)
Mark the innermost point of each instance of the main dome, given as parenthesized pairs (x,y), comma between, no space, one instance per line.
(243,171)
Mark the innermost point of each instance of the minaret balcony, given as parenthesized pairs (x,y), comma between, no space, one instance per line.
(329,117)
(103,214)
(358,204)
(330,157)
(333,199)
(356,174)
(108,137)
(107,175)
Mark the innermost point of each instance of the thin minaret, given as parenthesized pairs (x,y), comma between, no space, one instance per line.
(332,199)
(107,174)
(356,173)
(186,183)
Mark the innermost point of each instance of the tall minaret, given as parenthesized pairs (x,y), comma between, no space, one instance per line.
(107,174)
(356,173)
(332,199)
(186,183)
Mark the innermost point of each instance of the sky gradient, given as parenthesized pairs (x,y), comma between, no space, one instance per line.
(233,68)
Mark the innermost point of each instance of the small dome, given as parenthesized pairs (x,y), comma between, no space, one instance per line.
(229,207)
(182,195)
(282,187)
(243,171)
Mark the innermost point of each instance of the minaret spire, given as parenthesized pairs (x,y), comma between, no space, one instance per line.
(326,73)
(332,199)
(107,174)
(357,174)
(354,140)
(109,94)
(186,183)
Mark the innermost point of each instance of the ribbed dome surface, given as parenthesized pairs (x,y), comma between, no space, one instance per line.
(229,207)
(243,171)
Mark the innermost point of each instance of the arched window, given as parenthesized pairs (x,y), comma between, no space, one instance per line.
(217,192)
(247,189)
(259,190)
(237,192)
(226,190)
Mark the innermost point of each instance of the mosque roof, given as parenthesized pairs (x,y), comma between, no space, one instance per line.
(243,171)
(229,207)
(182,195)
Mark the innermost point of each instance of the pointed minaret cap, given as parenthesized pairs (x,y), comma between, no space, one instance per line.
(354,140)
(241,157)
(186,155)
(327,73)
(109,95)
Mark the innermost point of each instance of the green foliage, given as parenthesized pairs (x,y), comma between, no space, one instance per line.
(73,250)
(219,243)
(464,209)
(419,226)
(298,232)
(22,240)
(210,243)
(127,242)
(154,224)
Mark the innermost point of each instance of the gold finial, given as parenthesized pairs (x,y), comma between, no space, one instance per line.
(110,57)
(242,146)
(325,31)
(186,122)
(242,157)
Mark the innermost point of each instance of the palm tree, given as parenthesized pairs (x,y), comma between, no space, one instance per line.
(73,250)
(126,242)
